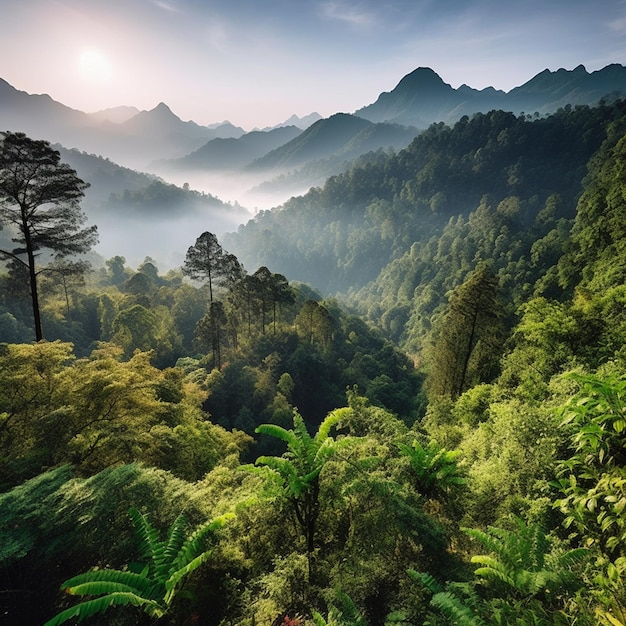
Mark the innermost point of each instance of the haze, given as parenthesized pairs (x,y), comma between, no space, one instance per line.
(256,63)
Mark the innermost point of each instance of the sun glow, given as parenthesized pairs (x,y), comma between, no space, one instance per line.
(94,66)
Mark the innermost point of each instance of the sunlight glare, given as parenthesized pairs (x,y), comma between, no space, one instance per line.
(94,66)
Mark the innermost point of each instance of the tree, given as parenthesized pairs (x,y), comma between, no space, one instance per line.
(71,275)
(209,331)
(39,197)
(315,322)
(469,336)
(206,260)
(152,587)
(299,469)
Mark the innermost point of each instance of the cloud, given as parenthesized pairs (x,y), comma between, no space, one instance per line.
(166,6)
(352,14)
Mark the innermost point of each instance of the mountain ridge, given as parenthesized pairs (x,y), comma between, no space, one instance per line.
(422,97)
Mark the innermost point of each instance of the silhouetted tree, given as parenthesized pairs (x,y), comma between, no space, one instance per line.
(39,197)
(207,261)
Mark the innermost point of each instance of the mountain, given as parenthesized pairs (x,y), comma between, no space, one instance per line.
(341,235)
(300,122)
(130,139)
(124,202)
(115,115)
(341,136)
(39,115)
(157,132)
(422,97)
(234,152)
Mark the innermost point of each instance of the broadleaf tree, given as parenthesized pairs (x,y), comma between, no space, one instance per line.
(40,198)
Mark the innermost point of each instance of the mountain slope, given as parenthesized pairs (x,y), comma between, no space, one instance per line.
(341,135)
(235,152)
(340,236)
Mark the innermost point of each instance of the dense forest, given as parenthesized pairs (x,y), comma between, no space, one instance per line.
(411,411)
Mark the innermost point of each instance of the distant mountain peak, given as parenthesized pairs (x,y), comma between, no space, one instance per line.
(422,97)
(162,109)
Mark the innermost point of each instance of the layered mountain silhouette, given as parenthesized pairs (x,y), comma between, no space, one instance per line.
(137,138)
(341,135)
(234,152)
(422,97)
(300,151)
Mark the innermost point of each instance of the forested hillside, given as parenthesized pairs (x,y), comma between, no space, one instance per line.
(325,476)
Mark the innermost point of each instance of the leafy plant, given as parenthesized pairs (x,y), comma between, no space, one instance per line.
(436,469)
(593,479)
(521,561)
(458,602)
(154,587)
(299,468)
(342,612)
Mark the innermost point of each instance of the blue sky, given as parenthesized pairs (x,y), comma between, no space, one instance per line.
(256,62)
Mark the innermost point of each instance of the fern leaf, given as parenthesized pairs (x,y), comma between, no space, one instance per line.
(138,582)
(90,608)
(288,436)
(451,606)
(427,580)
(494,569)
(172,582)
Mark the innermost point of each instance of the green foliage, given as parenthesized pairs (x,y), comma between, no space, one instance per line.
(342,611)
(153,587)
(522,562)
(468,338)
(593,479)
(436,469)
(300,467)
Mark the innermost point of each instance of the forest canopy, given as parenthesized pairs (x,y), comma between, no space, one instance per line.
(436,436)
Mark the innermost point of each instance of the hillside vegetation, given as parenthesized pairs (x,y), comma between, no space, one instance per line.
(435,437)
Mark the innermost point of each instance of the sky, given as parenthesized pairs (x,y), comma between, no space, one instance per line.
(257,62)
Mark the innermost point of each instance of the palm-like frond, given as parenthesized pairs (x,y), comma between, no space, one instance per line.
(288,436)
(168,562)
(90,608)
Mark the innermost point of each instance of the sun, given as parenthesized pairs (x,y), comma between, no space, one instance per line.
(94,66)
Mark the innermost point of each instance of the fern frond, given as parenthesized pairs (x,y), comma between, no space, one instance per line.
(175,578)
(90,608)
(494,569)
(427,580)
(492,544)
(138,582)
(452,607)
(150,547)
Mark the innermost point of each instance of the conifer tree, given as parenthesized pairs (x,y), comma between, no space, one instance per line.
(39,198)
(468,336)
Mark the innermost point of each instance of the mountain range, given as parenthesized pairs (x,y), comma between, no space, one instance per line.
(422,97)
(137,138)
(280,161)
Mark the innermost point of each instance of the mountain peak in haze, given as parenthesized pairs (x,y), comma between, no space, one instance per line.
(422,97)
